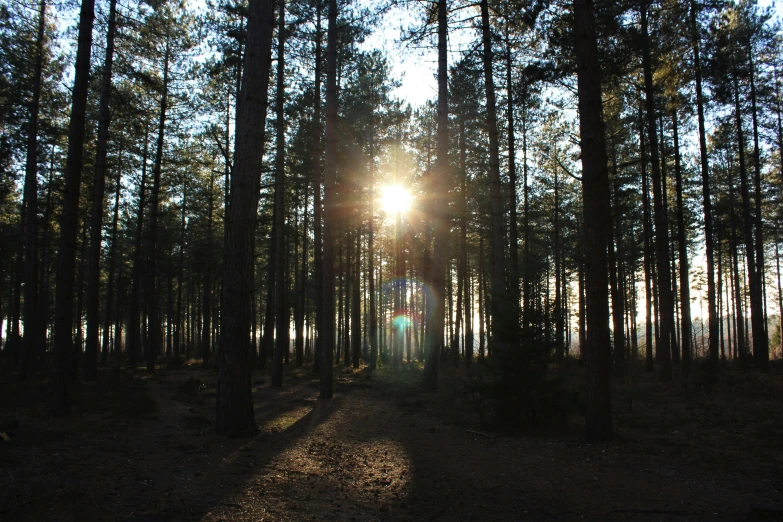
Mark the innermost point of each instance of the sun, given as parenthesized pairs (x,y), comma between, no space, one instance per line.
(395,198)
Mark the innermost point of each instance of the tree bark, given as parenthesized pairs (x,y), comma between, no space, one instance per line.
(206,304)
(281,308)
(152,300)
(595,187)
(235,415)
(317,208)
(34,332)
(666,300)
(685,296)
(705,183)
(513,275)
(112,268)
(502,329)
(437,262)
(330,208)
(69,217)
(760,342)
(754,282)
(90,368)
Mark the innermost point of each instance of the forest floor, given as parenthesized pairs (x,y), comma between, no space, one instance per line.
(141,448)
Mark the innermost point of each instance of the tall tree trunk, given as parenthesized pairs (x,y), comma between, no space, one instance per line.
(513,274)
(234,399)
(90,368)
(438,209)
(705,182)
(152,300)
(481,297)
(34,332)
(330,207)
(502,331)
(647,232)
(46,265)
(739,328)
(614,282)
(754,282)
(281,289)
(760,341)
(268,339)
(559,326)
(317,209)
(356,303)
(595,187)
(666,300)
(69,217)
(302,290)
(180,276)
(134,319)
(371,257)
(780,299)
(206,327)
(112,267)
(685,296)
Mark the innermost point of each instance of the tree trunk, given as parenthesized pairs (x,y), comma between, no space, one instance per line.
(178,338)
(235,415)
(356,303)
(502,330)
(317,209)
(302,290)
(438,208)
(780,299)
(685,296)
(666,301)
(281,308)
(705,182)
(90,368)
(754,282)
(513,274)
(739,328)
(371,258)
(330,208)
(34,332)
(760,340)
(69,217)
(206,328)
(152,300)
(595,186)
(614,270)
(112,268)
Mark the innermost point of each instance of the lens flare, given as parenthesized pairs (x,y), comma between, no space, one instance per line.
(395,198)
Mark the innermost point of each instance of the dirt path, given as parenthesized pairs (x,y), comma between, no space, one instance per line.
(366,455)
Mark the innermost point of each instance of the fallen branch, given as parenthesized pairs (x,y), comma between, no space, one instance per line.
(487,435)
